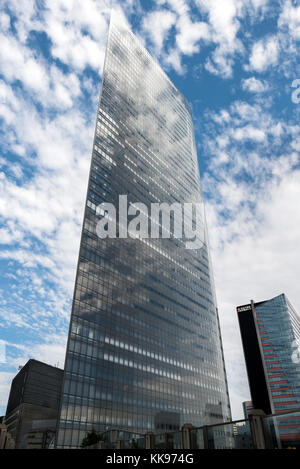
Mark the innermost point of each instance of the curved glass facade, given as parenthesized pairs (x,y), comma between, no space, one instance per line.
(279,332)
(144,350)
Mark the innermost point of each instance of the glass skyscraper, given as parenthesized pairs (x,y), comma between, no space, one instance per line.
(144,351)
(271,339)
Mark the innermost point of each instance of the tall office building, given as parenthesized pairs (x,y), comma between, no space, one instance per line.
(144,350)
(270,333)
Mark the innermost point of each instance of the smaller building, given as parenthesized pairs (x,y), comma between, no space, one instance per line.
(33,405)
(247,406)
(270,332)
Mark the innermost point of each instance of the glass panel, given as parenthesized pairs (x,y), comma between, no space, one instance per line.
(130,440)
(160,441)
(197,438)
(134,443)
(235,435)
(174,440)
(168,441)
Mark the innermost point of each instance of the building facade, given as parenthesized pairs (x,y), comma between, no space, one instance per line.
(144,351)
(33,401)
(247,407)
(270,333)
(6,441)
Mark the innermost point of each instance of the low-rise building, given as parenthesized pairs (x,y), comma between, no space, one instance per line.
(33,403)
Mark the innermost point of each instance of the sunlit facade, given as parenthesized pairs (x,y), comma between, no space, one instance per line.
(144,351)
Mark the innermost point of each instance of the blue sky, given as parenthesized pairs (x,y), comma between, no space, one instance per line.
(235,61)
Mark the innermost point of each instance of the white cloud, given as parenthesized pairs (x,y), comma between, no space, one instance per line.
(264,54)
(52,351)
(220,64)
(249,133)
(50,86)
(223,17)
(18,63)
(25,16)
(78,31)
(290,19)
(219,26)
(157,25)
(189,34)
(4,21)
(224,20)
(5,382)
(254,85)
(10,235)
(173,59)
(48,206)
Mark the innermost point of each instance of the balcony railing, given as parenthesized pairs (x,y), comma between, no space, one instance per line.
(260,431)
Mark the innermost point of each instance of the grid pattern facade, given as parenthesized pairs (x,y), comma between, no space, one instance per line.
(144,350)
(36,383)
(279,333)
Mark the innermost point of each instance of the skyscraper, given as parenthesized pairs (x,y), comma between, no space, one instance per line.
(144,350)
(270,333)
